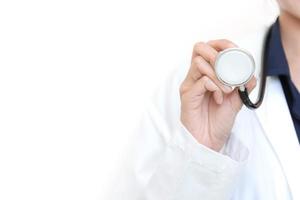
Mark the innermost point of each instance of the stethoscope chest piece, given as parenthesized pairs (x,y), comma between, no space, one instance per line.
(235,67)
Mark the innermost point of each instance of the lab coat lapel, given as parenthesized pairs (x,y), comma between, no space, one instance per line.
(274,117)
(277,124)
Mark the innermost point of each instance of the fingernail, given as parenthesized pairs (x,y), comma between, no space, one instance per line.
(227,88)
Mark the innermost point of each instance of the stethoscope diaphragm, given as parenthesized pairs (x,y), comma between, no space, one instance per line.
(234,67)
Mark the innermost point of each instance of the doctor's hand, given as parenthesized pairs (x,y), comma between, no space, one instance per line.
(209,108)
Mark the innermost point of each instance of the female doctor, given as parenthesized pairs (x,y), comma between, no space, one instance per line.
(197,141)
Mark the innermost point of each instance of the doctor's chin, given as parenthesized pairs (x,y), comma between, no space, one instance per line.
(226,124)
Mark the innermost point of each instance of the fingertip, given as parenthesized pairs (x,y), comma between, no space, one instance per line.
(221,100)
(218,96)
(227,89)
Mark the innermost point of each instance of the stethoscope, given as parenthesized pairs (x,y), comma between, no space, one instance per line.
(235,67)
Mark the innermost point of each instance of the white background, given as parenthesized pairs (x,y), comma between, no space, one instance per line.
(75,75)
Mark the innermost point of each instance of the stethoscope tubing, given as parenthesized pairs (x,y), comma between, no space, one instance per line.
(243,92)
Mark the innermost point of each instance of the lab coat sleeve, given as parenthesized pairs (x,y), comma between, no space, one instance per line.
(166,162)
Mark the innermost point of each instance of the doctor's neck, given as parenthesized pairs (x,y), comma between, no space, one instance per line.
(290,30)
(290,36)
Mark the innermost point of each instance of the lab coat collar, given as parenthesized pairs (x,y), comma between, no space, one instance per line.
(275,119)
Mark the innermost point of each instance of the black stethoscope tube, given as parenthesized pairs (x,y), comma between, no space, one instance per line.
(263,76)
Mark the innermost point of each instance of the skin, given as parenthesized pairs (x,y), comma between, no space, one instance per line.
(290,32)
(208,108)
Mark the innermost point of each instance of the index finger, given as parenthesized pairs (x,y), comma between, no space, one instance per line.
(221,44)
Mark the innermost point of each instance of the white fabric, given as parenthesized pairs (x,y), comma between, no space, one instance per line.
(261,159)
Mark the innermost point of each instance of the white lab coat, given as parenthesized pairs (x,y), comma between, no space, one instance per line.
(260,161)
